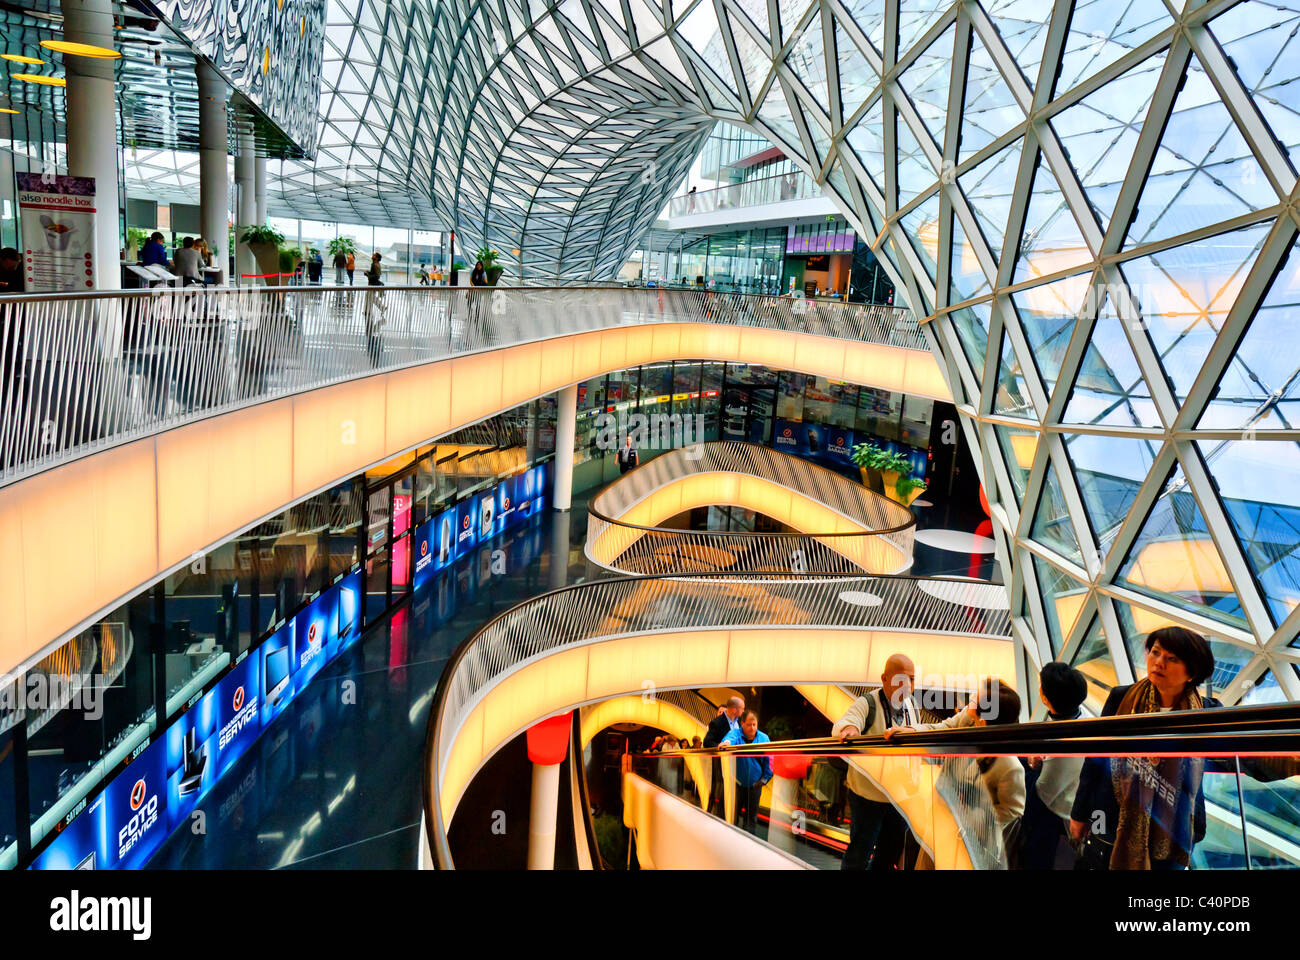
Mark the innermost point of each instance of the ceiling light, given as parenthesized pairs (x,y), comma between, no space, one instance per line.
(20,59)
(37,78)
(80,49)
(7,110)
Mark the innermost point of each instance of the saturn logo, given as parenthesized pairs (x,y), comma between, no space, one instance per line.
(137,795)
(505,502)
(311,633)
(839,441)
(424,547)
(464,524)
(239,699)
(787,432)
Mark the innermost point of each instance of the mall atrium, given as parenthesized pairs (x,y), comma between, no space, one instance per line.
(531,407)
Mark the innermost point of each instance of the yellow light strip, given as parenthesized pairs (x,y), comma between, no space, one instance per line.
(38,78)
(68,48)
(18,58)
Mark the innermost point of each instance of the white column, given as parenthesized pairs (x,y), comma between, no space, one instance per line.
(259,187)
(92,129)
(559,566)
(566,426)
(214,183)
(245,173)
(541,816)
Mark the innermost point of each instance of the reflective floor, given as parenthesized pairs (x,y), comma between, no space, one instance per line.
(336,782)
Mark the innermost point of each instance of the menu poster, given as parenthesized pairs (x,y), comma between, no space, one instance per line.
(58,232)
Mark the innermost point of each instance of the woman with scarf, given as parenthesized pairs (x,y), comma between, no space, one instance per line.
(1148,812)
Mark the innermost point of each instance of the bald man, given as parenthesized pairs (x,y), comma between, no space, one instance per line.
(876,831)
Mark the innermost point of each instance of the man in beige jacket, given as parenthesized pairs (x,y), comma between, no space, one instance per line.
(876,826)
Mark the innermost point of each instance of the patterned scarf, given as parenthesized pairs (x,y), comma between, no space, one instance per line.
(1152,790)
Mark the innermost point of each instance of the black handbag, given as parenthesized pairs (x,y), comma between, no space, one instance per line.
(1094,852)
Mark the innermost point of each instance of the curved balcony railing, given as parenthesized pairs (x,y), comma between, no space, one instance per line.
(607,609)
(83,372)
(841,526)
(747,193)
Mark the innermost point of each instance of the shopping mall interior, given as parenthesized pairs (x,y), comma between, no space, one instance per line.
(628,435)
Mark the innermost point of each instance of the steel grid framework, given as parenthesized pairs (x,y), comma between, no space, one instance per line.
(1093,204)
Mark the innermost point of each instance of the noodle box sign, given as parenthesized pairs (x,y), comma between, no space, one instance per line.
(57,241)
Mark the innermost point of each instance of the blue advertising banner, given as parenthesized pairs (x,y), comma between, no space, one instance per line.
(314,629)
(426,555)
(276,653)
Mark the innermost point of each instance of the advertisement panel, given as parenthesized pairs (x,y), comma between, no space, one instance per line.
(466,526)
(57,232)
(349,612)
(313,628)
(276,654)
(426,556)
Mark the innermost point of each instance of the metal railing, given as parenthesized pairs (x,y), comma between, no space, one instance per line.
(874,534)
(605,609)
(83,372)
(747,193)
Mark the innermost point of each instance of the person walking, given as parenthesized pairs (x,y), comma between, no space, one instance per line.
(374,309)
(727,720)
(340,264)
(627,456)
(752,773)
(876,830)
(315,267)
(350,262)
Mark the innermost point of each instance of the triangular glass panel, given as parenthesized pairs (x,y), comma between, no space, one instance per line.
(915,17)
(1174,557)
(926,83)
(754,60)
(665,54)
(1110,388)
(1050,240)
(1100,133)
(867,139)
(821,139)
(1011,398)
(1018,449)
(1138,622)
(1047,316)
(775,112)
(1052,526)
(1109,471)
(869,15)
(1101,33)
(1256,480)
(1203,173)
(648,20)
(988,189)
(1262,42)
(700,29)
(1185,294)
(990,109)
(972,327)
(921,227)
(1094,661)
(1260,388)
(791,12)
(1063,598)
(1023,29)
(857,78)
(757,10)
(807,58)
(915,174)
(966,278)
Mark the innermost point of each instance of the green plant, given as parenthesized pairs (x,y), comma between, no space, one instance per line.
(867,455)
(906,485)
(458,265)
(343,245)
(135,237)
(262,234)
(611,841)
(487,255)
(289,256)
(895,463)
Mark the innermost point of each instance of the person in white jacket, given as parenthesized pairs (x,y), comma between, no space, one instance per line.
(876,830)
(1053,781)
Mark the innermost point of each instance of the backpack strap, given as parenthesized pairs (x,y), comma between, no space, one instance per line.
(871,711)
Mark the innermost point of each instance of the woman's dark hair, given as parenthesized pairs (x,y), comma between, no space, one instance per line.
(1189,647)
(1064,687)
(998,703)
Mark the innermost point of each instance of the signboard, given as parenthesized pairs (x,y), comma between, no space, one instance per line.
(57,232)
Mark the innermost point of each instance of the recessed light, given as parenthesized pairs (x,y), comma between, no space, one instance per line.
(80,49)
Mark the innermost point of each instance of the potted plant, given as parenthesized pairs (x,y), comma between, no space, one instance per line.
(891,467)
(289,259)
(264,242)
(343,245)
(489,258)
(867,457)
(908,489)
